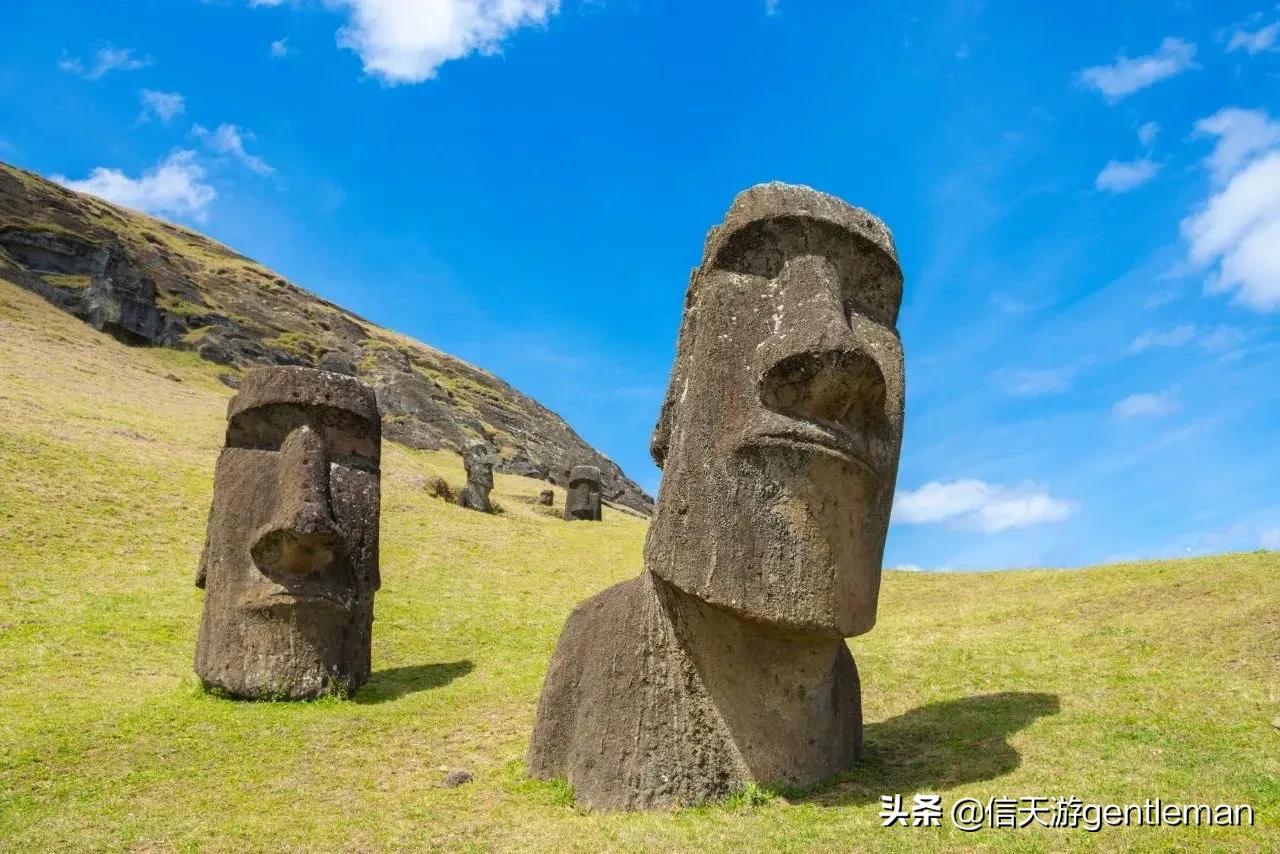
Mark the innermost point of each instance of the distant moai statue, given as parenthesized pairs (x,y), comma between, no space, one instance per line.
(290,562)
(478,460)
(582,502)
(725,662)
(547,497)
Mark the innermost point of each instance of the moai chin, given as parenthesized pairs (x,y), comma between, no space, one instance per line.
(290,561)
(478,460)
(725,662)
(582,501)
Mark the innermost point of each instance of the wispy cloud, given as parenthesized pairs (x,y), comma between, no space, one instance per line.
(1147,133)
(1122,176)
(229,140)
(280,48)
(107,59)
(1146,405)
(1256,41)
(164,106)
(1236,231)
(1176,337)
(1034,382)
(175,186)
(1215,339)
(988,507)
(1128,75)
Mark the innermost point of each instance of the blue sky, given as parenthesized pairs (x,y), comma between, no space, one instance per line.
(1086,200)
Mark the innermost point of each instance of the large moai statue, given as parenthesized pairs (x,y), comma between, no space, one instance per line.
(725,662)
(478,460)
(290,561)
(582,502)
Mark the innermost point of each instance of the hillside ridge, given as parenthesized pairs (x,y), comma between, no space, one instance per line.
(149,282)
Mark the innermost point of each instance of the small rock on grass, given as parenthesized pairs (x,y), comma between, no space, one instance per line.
(457,778)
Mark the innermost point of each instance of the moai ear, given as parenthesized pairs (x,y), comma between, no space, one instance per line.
(660,442)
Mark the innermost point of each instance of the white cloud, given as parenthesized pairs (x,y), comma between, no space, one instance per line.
(1256,41)
(406,41)
(1241,134)
(1122,176)
(975,503)
(1147,133)
(1271,539)
(1236,231)
(1146,405)
(1128,75)
(175,186)
(229,139)
(106,59)
(163,105)
(908,567)
(280,48)
(771,7)
(1033,382)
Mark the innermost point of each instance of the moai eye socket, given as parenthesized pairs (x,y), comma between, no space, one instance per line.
(349,439)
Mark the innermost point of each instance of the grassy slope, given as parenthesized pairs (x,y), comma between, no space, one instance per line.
(1113,684)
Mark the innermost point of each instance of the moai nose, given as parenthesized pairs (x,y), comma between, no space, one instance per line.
(302,536)
(834,387)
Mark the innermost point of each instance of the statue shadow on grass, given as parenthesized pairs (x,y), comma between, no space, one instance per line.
(396,682)
(935,747)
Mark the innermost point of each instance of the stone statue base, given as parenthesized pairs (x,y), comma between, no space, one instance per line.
(655,698)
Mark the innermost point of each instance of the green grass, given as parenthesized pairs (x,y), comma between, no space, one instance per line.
(1119,683)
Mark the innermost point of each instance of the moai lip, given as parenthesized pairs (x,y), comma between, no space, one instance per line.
(290,562)
(724,662)
(478,461)
(582,502)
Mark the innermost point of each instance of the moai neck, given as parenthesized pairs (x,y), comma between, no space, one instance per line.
(790,702)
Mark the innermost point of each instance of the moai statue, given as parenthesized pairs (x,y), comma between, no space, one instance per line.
(478,461)
(725,661)
(582,502)
(290,562)
(547,497)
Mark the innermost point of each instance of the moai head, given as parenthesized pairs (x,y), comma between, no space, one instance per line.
(290,563)
(780,432)
(547,497)
(478,460)
(583,499)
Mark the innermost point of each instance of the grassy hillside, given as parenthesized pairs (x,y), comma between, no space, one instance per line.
(1114,684)
(151,281)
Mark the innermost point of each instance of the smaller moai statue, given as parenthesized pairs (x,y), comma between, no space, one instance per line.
(583,500)
(478,461)
(547,498)
(290,561)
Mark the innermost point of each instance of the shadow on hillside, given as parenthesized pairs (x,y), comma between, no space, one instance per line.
(395,682)
(936,747)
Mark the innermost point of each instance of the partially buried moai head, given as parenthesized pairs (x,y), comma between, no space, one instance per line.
(582,501)
(780,432)
(290,562)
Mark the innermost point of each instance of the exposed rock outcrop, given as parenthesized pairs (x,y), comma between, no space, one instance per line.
(148,282)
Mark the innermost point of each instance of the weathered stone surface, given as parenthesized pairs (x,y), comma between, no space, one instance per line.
(725,661)
(150,282)
(547,497)
(457,777)
(290,561)
(478,460)
(582,502)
